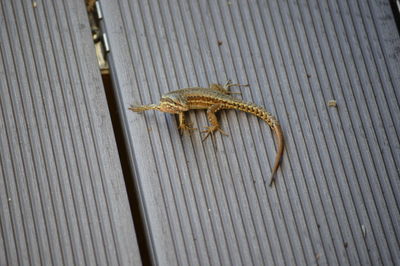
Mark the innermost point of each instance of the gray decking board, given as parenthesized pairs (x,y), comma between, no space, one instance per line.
(337,192)
(62,194)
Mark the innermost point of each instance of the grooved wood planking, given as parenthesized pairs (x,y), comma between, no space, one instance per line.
(62,194)
(336,199)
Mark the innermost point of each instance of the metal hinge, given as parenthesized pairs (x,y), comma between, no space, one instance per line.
(99,11)
(105,41)
(100,39)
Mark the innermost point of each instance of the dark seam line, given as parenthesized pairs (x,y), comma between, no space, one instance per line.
(150,138)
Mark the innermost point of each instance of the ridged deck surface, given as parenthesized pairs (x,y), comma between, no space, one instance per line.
(337,196)
(62,194)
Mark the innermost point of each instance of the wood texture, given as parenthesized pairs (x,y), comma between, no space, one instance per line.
(336,199)
(62,194)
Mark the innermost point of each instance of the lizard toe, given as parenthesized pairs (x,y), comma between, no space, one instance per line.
(186,127)
(211,129)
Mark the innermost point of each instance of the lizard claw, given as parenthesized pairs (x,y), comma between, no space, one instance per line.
(211,129)
(186,127)
(229,84)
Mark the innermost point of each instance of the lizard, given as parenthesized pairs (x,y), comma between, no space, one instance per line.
(216,97)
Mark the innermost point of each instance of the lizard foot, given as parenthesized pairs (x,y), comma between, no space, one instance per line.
(211,129)
(229,84)
(186,127)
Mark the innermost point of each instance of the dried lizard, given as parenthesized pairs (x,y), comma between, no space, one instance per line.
(214,98)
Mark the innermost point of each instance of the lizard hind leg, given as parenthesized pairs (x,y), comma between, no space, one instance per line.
(225,88)
(215,126)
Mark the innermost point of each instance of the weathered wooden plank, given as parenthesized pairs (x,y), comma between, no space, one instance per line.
(337,193)
(62,193)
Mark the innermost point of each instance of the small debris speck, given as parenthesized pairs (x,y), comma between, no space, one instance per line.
(332,103)
(34,4)
(318,256)
(346,244)
(219,43)
(308,76)
(364,230)
(9,199)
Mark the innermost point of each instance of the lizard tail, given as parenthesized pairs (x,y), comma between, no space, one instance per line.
(272,122)
(281,144)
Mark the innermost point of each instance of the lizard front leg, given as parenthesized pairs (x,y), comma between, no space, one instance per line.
(183,125)
(215,126)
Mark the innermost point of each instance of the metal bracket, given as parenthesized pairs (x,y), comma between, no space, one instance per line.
(99,11)
(105,41)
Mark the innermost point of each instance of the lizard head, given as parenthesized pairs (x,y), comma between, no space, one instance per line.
(171,103)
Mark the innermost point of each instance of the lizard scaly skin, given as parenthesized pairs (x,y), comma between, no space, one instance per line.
(213,99)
